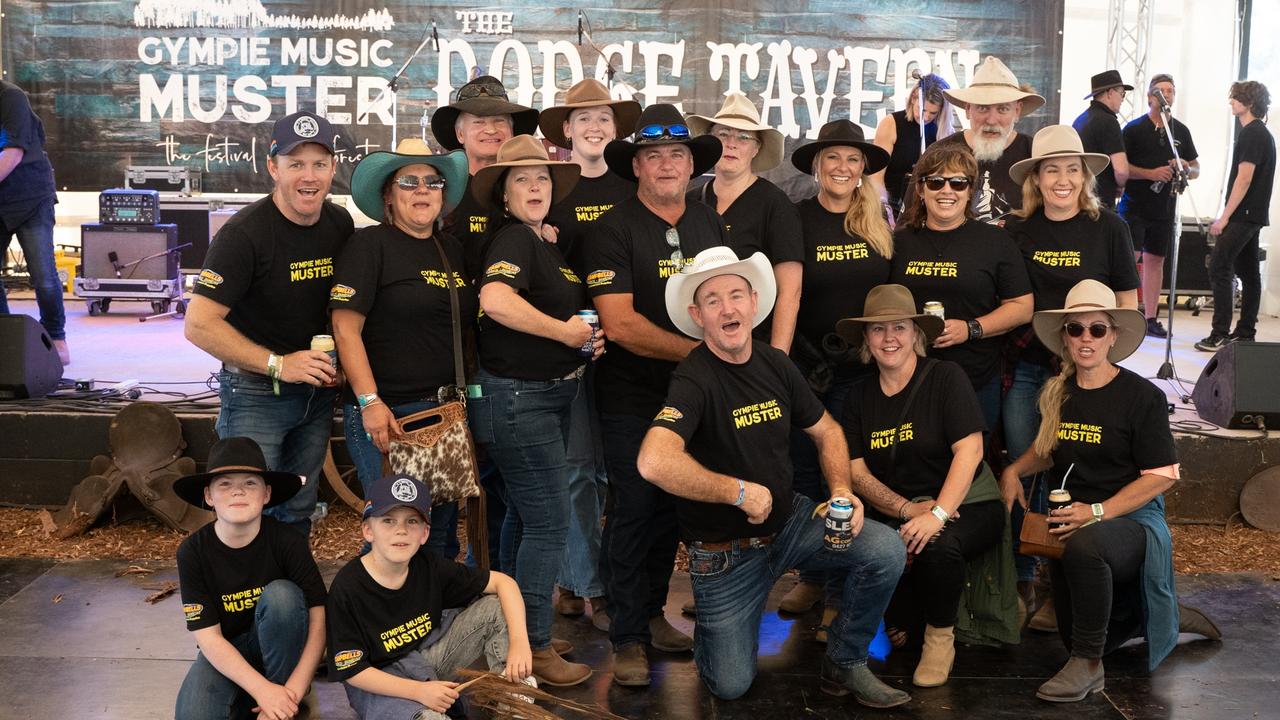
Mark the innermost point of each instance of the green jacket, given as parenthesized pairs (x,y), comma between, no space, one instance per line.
(989,605)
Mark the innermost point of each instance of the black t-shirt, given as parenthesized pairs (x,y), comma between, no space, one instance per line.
(1146,146)
(970,270)
(398,283)
(31,181)
(468,223)
(943,411)
(221,585)
(628,253)
(538,272)
(1059,254)
(373,626)
(839,271)
(996,195)
(906,151)
(275,275)
(1254,145)
(1100,133)
(737,420)
(1111,434)
(577,212)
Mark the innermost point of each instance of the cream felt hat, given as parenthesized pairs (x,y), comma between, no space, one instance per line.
(994,83)
(740,114)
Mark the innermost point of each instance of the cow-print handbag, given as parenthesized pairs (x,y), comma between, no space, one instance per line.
(435,445)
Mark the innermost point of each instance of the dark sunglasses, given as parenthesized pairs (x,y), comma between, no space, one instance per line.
(488,88)
(412,182)
(658,131)
(935,182)
(1097,330)
(673,241)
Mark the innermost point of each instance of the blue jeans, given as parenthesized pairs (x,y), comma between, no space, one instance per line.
(730,588)
(292,428)
(524,425)
(35,237)
(989,400)
(368,461)
(588,486)
(1021,423)
(272,646)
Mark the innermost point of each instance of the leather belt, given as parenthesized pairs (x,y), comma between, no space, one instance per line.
(735,544)
(241,371)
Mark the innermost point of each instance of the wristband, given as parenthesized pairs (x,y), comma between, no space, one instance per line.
(275,368)
(742,493)
(366,399)
(975,329)
(939,513)
(901,516)
(1097,511)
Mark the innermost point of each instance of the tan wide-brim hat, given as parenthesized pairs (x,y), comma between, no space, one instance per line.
(887,303)
(740,114)
(994,83)
(714,262)
(485,96)
(1056,141)
(1091,296)
(587,94)
(525,151)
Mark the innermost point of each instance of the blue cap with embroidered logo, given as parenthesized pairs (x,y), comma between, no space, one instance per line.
(393,491)
(301,127)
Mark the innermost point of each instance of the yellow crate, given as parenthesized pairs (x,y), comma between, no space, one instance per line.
(66,268)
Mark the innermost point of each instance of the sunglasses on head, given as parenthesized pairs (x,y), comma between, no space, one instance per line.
(1097,330)
(673,241)
(488,88)
(412,182)
(935,182)
(658,131)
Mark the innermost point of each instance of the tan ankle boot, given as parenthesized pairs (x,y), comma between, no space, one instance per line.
(1046,618)
(937,657)
(801,598)
(663,636)
(600,614)
(569,605)
(631,666)
(551,669)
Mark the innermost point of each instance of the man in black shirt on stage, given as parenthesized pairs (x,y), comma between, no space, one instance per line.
(1253,172)
(1100,133)
(631,252)
(721,445)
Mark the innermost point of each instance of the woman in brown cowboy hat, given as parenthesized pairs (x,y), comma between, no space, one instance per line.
(915,443)
(533,349)
(1065,236)
(899,135)
(759,216)
(1104,436)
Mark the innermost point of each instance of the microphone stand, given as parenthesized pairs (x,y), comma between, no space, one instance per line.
(586,33)
(1177,185)
(393,87)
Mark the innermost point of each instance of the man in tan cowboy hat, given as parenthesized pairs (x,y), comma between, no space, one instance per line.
(721,444)
(588,121)
(994,102)
(1100,132)
(632,251)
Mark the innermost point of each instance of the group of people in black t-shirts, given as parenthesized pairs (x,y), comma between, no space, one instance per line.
(752,363)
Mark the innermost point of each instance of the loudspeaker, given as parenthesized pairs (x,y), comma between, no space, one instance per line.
(29,365)
(191,215)
(1239,388)
(130,244)
(1193,262)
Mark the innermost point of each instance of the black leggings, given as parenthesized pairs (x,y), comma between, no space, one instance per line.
(1097,587)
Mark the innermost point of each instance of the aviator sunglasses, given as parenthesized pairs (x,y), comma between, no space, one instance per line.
(658,131)
(935,182)
(673,240)
(1097,330)
(412,182)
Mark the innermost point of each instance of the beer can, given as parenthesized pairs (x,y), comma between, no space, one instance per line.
(838,535)
(591,318)
(1058,498)
(324,343)
(934,308)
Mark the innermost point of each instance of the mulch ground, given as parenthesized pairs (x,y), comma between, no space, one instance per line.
(1196,548)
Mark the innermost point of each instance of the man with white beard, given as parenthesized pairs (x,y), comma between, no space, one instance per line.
(994,102)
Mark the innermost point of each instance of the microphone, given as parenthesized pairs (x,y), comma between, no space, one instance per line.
(435,37)
(115,263)
(1164,104)
(579,28)
(915,73)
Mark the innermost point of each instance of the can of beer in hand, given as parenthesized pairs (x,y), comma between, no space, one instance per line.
(934,308)
(838,535)
(1058,498)
(324,343)
(591,318)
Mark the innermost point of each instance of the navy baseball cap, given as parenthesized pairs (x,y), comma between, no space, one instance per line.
(301,127)
(393,491)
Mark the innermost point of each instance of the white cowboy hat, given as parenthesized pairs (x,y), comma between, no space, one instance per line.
(714,262)
(993,83)
(1056,140)
(739,113)
(1093,296)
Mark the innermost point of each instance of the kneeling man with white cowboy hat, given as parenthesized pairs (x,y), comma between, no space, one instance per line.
(721,446)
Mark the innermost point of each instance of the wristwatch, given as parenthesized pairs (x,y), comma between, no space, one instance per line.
(1097,511)
(975,329)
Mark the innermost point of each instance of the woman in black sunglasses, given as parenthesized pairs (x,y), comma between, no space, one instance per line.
(1104,436)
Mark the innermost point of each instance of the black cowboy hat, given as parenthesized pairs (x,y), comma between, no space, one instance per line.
(662,124)
(485,96)
(841,133)
(1106,80)
(237,455)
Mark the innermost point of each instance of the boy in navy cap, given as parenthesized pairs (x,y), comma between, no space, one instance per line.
(389,642)
(251,592)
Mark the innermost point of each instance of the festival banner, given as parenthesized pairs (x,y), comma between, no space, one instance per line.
(199,83)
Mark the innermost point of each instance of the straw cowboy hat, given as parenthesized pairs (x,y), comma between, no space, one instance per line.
(740,114)
(525,151)
(587,94)
(887,303)
(841,133)
(1090,296)
(661,124)
(371,174)
(485,96)
(237,455)
(993,83)
(714,262)
(1054,141)
(1104,81)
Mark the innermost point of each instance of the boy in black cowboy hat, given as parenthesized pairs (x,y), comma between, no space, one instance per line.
(251,592)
